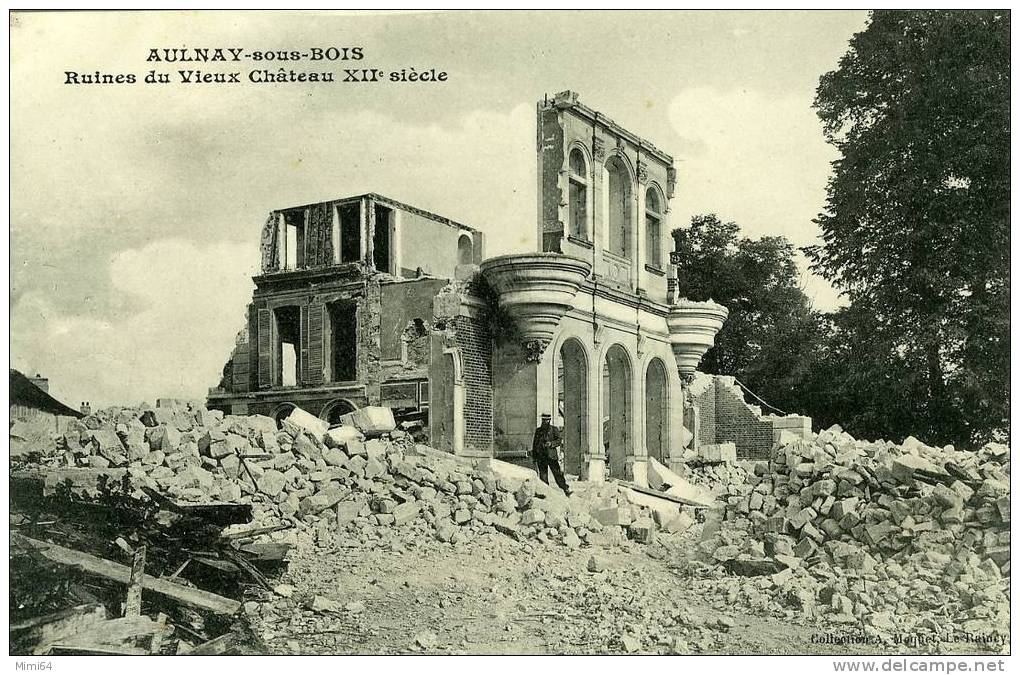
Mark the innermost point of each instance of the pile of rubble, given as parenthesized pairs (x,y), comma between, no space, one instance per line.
(892,537)
(717,477)
(217,500)
(356,477)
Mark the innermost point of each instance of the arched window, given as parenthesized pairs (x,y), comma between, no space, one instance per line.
(619,208)
(578,204)
(465,254)
(653,227)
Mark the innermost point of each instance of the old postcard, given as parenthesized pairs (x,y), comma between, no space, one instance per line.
(503,333)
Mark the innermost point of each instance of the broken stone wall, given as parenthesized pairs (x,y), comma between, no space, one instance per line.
(402,303)
(725,417)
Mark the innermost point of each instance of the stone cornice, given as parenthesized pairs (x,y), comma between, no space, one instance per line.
(625,298)
(568,101)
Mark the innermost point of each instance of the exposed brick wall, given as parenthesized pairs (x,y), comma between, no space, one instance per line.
(738,423)
(477,357)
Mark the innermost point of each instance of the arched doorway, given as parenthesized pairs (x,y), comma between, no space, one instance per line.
(335,409)
(281,412)
(617,409)
(572,391)
(656,411)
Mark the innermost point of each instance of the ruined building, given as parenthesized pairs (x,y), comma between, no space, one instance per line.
(342,310)
(369,301)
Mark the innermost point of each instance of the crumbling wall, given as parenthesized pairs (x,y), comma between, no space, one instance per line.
(402,303)
(453,327)
(738,423)
(369,326)
(702,397)
(725,417)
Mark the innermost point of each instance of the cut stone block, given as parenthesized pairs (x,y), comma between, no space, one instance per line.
(308,422)
(373,421)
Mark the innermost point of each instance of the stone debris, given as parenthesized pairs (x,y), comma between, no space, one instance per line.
(894,536)
(372,421)
(345,481)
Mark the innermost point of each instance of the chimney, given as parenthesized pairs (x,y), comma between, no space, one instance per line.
(41,382)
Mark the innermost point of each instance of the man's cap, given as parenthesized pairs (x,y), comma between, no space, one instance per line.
(546,416)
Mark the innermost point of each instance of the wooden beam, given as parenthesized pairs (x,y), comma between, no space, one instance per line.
(251,534)
(133,604)
(192,597)
(220,645)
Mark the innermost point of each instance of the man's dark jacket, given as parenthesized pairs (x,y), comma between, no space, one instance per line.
(547,442)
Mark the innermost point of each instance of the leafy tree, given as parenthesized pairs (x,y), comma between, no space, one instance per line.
(772,335)
(916,226)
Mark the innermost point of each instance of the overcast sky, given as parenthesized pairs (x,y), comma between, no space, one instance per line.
(136,210)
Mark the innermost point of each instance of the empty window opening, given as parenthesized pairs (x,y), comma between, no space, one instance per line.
(653,227)
(619,208)
(382,239)
(578,204)
(288,346)
(343,348)
(465,255)
(350,232)
(294,240)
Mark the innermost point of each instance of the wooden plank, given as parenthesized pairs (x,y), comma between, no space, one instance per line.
(216,513)
(133,604)
(214,647)
(192,597)
(267,552)
(45,619)
(36,635)
(161,643)
(251,534)
(661,495)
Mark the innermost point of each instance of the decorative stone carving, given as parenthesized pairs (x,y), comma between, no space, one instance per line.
(533,350)
(692,329)
(536,289)
(642,173)
(670,182)
(599,149)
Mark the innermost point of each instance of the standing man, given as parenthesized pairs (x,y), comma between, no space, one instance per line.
(545,451)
